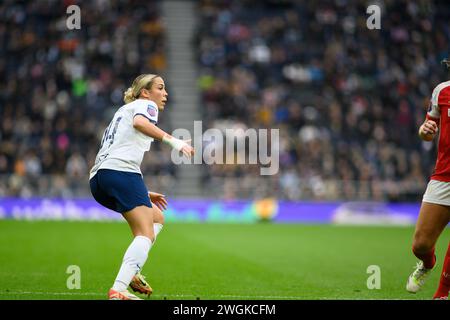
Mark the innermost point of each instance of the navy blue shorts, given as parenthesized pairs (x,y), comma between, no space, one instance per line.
(118,190)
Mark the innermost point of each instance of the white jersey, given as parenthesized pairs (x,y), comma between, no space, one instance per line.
(123,147)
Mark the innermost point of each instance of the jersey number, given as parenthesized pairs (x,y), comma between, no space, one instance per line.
(110,132)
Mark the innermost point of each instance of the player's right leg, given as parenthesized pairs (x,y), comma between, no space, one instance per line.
(432,220)
(140,220)
(139,283)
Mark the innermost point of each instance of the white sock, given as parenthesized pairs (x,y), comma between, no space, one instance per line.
(157,227)
(133,261)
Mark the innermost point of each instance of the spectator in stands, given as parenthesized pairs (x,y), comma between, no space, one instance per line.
(58,87)
(348,100)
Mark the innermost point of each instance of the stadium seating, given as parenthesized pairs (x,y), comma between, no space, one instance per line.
(60,88)
(348,100)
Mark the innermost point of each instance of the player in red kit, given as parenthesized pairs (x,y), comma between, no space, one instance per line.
(434,213)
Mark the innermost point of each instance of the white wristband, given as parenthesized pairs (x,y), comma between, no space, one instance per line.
(175,143)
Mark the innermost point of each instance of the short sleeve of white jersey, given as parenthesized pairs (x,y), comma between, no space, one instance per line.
(433,110)
(146,108)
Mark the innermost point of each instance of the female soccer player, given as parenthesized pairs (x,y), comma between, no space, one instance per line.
(116,179)
(434,213)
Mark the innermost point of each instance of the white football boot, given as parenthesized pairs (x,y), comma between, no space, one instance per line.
(417,279)
(121,295)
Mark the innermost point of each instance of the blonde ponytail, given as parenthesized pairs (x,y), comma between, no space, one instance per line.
(128,95)
(141,82)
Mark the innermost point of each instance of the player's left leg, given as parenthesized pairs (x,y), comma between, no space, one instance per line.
(158,220)
(444,282)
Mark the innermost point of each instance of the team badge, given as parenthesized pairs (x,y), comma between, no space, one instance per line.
(151,110)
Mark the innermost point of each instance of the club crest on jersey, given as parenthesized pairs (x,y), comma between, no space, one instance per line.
(151,110)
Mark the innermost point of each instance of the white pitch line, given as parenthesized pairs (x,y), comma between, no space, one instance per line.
(53,293)
(158,295)
(221,296)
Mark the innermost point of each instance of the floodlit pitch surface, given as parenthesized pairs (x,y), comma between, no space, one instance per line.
(212,261)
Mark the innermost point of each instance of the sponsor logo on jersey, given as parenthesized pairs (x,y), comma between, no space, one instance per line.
(151,110)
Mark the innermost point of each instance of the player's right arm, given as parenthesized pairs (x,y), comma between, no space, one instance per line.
(143,125)
(428,130)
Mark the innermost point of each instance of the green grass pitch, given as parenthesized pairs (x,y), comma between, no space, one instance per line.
(212,261)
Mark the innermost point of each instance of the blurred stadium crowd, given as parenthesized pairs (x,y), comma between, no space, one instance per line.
(60,87)
(348,100)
